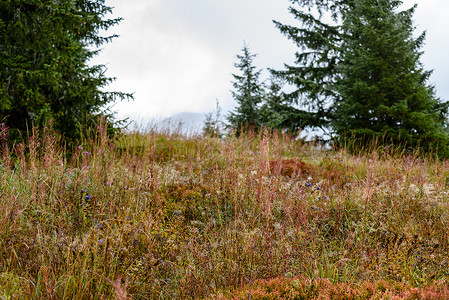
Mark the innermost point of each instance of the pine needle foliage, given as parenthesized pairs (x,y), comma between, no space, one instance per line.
(382,86)
(248,92)
(358,74)
(44,64)
(276,112)
(315,68)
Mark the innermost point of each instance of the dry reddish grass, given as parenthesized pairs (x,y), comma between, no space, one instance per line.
(290,167)
(177,217)
(323,289)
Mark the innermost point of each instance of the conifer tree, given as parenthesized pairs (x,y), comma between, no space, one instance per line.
(45,74)
(212,122)
(248,92)
(314,71)
(276,112)
(272,109)
(383,89)
(360,76)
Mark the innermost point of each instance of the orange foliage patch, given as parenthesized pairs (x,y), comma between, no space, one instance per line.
(296,167)
(323,289)
(290,167)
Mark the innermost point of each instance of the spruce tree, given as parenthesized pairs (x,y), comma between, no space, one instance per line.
(276,112)
(360,73)
(45,73)
(314,71)
(212,122)
(382,86)
(248,92)
(272,109)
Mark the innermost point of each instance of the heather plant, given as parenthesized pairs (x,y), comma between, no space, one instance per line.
(303,288)
(163,215)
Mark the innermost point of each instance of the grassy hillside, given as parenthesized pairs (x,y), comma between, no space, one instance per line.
(164,216)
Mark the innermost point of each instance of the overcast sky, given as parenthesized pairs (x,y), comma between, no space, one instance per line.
(178,55)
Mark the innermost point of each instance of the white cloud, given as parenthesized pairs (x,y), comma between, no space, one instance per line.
(170,68)
(178,55)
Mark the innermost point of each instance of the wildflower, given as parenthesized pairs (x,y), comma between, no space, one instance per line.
(176,213)
(318,188)
(80,147)
(308,184)
(100,241)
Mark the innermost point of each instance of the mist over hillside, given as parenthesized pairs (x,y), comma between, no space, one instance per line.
(192,123)
(187,122)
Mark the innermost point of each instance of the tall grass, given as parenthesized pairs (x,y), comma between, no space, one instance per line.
(160,216)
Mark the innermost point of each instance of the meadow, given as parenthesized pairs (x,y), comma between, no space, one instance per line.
(161,215)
